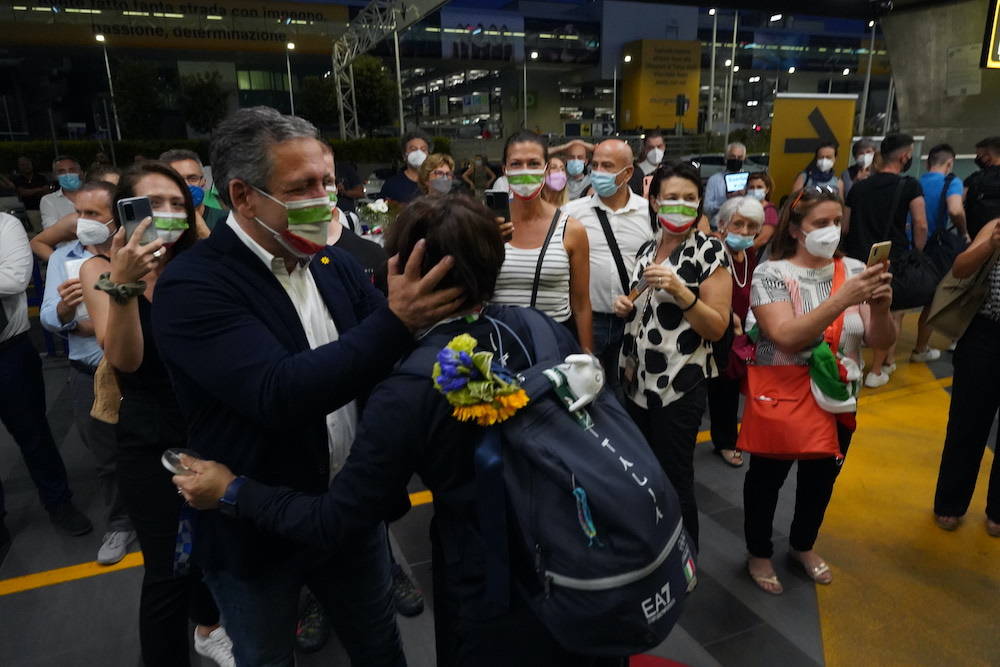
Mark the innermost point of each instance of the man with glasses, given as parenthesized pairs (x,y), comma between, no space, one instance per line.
(188,165)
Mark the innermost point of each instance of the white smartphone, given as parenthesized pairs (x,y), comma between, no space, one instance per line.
(171,460)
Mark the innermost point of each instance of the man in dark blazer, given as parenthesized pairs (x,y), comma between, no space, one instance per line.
(271,338)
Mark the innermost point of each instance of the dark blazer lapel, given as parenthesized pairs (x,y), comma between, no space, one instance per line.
(262,287)
(331,288)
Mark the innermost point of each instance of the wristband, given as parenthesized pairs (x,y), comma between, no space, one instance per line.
(119,293)
(691,305)
(228,504)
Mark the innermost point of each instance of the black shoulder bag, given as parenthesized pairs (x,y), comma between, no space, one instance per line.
(615,250)
(943,246)
(914,276)
(541,256)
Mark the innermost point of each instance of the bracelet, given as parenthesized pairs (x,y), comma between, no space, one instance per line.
(119,293)
(691,305)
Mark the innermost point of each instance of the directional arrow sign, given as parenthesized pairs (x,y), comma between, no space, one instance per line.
(801,122)
(823,135)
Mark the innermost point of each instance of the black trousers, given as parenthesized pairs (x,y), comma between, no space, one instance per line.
(975,398)
(723,411)
(166,601)
(22,411)
(672,432)
(764,479)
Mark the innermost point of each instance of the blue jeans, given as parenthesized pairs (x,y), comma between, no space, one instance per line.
(609,329)
(353,584)
(22,411)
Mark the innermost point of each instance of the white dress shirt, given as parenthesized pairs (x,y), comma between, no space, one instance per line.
(15,274)
(320,329)
(631,228)
(54,206)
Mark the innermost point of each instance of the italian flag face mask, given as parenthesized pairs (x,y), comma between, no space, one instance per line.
(307,225)
(526,183)
(170,225)
(676,215)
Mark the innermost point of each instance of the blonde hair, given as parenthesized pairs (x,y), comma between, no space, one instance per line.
(560,198)
(433,161)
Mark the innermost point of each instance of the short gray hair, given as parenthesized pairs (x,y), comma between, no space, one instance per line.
(178,154)
(737,144)
(241,145)
(748,207)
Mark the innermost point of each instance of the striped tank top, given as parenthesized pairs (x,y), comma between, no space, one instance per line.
(517,276)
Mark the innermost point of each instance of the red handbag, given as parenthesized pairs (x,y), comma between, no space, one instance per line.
(781,419)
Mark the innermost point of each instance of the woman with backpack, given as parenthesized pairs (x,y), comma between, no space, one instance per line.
(410,425)
(820,170)
(547,260)
(680,304)
(807,296)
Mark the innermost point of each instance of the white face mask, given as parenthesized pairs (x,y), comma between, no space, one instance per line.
(760,194)
(654,156)
(416,158)
(170,225)
(823,242)
(824,164)
(92,232)
(865,159)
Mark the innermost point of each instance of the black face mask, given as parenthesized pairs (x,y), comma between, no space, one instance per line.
(907,165)
(733,164)
(981,162)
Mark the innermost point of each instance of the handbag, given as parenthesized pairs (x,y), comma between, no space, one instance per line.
(914,276)
(782,418)
(957,300)
(944,245)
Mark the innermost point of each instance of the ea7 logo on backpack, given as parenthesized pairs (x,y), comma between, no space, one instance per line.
(658,604)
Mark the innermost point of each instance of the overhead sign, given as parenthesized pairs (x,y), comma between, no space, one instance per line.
(991,40)
(801,123)
(226,25)
(656,72)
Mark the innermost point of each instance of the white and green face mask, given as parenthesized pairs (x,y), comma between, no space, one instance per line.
(331,192)
(526,183)
(170,225)
(676,215)
(308,220)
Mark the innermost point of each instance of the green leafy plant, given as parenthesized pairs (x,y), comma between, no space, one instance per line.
(202,100)
(139,97)
(375,93)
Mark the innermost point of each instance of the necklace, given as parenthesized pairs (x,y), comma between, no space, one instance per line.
(746,269)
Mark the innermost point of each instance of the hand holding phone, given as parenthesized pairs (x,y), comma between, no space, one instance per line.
(879,253)
(639,288)
(171,460)
(131,212)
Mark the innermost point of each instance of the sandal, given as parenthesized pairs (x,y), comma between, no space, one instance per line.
(732,457)
(819,573)
(948,523)
(992,528)
(763,582)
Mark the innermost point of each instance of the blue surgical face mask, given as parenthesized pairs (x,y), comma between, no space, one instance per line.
(575,167)
(197,194)
(70,182)
(738,241)
(604,182)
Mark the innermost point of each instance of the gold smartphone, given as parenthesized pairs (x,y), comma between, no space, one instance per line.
(879,253)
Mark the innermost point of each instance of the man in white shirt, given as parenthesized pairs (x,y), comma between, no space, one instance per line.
(22,389)
(629,225)
(61,202)
(715,190)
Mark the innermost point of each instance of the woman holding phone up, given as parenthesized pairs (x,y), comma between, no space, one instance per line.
(547,259)
(118,291)
(801,297)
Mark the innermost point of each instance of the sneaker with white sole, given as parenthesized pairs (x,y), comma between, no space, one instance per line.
(889,369)
(216,646)
(115,546)
(930,354)
(875,380)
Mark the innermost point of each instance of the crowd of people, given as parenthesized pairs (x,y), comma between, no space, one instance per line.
(266,337)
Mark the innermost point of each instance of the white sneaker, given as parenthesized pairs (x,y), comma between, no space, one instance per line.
(115,546)
(216,646)
(930,354)
(889,369)
(875,380)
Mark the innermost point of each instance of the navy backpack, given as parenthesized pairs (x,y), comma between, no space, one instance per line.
(590,503)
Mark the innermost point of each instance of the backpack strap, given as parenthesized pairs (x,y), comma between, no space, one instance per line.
(943,206)
(541,256)
(896,195)
(613,245)
(491,511)
(836,329)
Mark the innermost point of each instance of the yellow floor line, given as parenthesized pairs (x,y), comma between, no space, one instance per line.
(84,570)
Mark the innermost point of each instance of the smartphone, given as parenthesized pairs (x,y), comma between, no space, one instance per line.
(738,181)
(171,460)
(639,288)
(879,253)
(131,212)
(498,202)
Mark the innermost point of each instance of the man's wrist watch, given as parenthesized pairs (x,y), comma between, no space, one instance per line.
(227,503)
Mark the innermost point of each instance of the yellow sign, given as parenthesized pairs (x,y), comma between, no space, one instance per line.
(219,25)
(801,122)
(656,72)
(991,42)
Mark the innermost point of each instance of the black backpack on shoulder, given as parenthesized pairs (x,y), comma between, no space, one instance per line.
(982,201)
